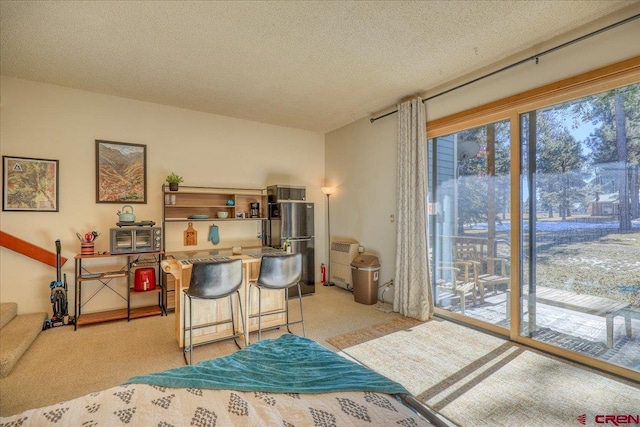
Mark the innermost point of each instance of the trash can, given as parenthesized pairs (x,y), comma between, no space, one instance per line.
(365,275)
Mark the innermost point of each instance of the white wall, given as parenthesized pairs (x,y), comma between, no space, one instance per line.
(361,164)
(52,122)
(361,157)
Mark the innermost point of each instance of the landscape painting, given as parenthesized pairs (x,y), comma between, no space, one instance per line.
(30,184)
(121,172)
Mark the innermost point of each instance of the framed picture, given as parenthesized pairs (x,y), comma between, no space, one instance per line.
(121,172)
(29,184)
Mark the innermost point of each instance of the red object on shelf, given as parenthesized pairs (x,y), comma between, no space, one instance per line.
(145,279)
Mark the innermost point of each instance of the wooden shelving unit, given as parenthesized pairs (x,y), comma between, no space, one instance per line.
(105,278)
(187,202)
(103,316)
(136,313)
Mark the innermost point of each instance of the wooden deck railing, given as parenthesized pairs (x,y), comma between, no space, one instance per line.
(29,249)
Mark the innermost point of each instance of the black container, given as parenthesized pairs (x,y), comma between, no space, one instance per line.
(255,210)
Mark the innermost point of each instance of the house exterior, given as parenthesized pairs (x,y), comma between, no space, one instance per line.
(605,205)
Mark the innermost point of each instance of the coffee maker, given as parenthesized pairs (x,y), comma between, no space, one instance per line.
(255,210)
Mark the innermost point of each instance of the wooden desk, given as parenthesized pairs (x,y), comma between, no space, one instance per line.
(214,311)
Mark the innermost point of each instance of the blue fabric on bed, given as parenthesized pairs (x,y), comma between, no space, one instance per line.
(289,364)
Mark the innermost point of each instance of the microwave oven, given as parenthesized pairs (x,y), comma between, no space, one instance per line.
(127,240)
(286,193)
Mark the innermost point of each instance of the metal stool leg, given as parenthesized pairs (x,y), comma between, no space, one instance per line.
(286,313)
(190,331)
(286,296)
(259,314)
(246,334)
(184,327)
(241,313)
(186,348)
(304,334)
(233,322)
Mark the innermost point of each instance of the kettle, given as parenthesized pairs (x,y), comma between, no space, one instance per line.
(126,216)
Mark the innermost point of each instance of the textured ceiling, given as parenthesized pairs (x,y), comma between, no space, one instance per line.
(304,64)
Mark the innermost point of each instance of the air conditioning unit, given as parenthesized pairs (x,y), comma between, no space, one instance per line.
(343,252)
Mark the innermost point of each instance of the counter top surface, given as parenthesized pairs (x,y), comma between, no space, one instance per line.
(255,251)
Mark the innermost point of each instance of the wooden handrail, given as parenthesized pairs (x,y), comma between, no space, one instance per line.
(30,250)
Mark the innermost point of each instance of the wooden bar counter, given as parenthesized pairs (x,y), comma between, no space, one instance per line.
(178,264)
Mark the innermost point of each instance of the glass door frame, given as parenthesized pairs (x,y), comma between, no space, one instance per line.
(600,80)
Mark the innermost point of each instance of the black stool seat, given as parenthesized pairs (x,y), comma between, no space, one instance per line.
(211,280)
(279,271)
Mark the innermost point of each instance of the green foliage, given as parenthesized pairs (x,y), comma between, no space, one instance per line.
(173,178)
(615,145)
(476,176)
(559,164)
(600,110)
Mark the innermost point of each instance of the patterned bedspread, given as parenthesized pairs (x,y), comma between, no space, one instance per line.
(289,381)
(152,405)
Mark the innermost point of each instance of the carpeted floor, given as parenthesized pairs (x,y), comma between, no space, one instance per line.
(477,379)
(63,364)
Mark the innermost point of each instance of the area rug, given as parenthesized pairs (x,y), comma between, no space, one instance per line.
(478,379)
(372,332)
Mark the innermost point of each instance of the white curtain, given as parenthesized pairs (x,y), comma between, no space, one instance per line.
(413,295)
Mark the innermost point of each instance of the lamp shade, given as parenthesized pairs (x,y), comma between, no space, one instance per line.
(328,190)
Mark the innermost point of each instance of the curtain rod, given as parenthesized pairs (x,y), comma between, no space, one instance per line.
(515,64)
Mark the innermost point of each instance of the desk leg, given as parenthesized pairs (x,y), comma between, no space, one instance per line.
(627,324)
(609,330)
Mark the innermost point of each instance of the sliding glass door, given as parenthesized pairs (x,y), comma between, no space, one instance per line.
(470,221)
(580,225)
(566,254)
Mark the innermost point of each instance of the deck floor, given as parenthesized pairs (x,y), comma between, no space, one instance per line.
(572,330)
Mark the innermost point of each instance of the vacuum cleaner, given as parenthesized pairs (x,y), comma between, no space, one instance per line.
(59,296)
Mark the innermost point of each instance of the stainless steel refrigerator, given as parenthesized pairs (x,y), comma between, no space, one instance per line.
(294,221)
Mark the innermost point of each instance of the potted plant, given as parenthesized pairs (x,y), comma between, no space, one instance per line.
(173,181)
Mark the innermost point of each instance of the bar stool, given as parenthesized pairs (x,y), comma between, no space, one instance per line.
(211,281)
(278,272)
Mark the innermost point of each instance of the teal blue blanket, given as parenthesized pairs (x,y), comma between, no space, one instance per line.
(289,364)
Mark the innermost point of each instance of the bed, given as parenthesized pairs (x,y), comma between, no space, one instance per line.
(289,381)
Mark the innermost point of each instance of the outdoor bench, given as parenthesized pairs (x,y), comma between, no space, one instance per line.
(588,304)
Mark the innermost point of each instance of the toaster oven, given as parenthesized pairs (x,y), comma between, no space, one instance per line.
(127,240)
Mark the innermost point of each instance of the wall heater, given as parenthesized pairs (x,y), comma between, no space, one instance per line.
(343,252)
